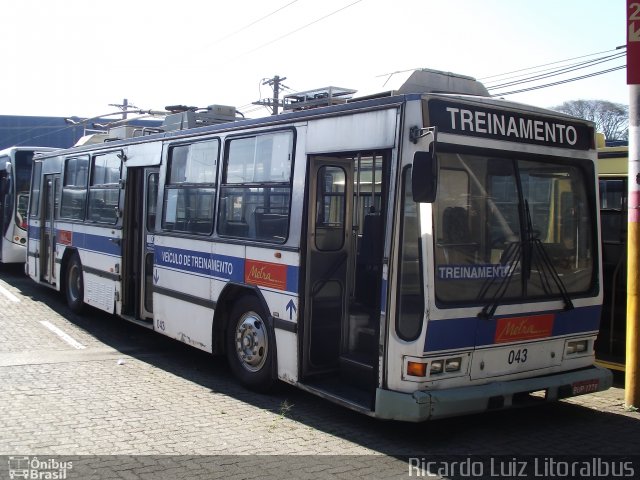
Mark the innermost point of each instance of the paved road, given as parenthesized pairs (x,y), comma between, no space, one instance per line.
(130,391)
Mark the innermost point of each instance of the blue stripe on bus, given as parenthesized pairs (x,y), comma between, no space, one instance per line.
(451,334)
(94,243)
(383,296)
(213,265)
(292,278)
(202,263)
(465,333)
(34,232)
(84,241)
(583,319)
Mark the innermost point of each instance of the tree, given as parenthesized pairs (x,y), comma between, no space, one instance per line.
(610,118)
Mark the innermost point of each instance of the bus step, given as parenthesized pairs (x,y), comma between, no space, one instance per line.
(146,324)
(357,369)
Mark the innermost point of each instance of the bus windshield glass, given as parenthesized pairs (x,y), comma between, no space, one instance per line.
(510,229)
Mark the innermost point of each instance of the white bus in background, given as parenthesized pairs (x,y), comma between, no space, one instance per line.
(410,255)
(15,175)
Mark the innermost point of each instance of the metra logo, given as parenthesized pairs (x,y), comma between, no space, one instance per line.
(65,237)
(266,274)
(523,328)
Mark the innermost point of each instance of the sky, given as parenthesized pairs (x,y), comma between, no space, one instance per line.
(75,58)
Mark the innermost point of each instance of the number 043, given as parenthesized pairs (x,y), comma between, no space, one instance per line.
(517,356)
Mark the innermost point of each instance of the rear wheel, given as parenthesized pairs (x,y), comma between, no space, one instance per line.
(75,284)
(250,347)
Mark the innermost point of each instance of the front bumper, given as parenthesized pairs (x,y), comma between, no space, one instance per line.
(428,405)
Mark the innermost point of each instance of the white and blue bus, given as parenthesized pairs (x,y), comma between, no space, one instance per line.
(15,175)
(410,255)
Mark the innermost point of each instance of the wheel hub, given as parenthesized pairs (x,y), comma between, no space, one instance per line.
(251,341)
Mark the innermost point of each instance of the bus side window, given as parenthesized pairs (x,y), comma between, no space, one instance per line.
(74,188)
(104,191)
(255,192)
(329,229)
(189,195)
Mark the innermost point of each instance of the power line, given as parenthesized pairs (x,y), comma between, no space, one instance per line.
(242,29)
(554,69)
(552,63)
(298,29)
(82,122)
(560,82)
(558,71)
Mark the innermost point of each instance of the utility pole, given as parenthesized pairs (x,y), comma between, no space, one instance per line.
(632,369)
(124,106)
(274,102)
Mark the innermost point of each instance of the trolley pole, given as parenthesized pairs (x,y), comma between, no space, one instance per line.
(632,369)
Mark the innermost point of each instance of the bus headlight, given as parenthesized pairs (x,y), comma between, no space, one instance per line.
(452,364)
(423,369)
(577,346)
(436,367)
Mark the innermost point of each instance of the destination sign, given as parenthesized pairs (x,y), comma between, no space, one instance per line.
(487,122)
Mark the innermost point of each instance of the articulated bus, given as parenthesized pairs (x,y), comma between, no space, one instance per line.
(411,255)
(613,167)
(15,175)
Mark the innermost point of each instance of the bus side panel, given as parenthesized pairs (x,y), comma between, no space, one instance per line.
(183,298)
(340,134)
(276,274)
(33,247)
(12,252)
(99,252)
(99,292)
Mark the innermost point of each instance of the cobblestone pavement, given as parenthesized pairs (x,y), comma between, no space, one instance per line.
(133,392)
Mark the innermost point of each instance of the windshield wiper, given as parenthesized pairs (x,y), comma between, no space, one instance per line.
(534,254)
(512,257)
(543,263)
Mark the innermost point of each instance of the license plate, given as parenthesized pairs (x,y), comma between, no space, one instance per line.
(497,361)
(586,386)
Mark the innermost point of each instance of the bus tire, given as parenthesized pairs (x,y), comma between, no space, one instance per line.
(75,284)
(250,345)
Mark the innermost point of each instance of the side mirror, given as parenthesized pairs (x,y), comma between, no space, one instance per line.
(424,176)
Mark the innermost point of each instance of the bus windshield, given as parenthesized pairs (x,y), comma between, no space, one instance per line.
(511,229)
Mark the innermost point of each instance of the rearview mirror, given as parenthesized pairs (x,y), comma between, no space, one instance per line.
(424,176)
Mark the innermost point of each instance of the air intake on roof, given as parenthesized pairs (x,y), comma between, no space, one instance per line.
(320,97)
(183,117)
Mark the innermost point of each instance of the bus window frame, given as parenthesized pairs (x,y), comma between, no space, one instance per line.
(249,186)
(165,186)
(95,187)
(74,188)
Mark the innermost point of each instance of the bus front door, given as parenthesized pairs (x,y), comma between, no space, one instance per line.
(47,229)
(329,220)
(139,225)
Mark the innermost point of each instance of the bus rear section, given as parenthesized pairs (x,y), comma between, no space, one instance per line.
(15,176)
(498,297)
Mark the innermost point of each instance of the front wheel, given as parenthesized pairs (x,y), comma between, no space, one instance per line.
(75,284)
(250,347)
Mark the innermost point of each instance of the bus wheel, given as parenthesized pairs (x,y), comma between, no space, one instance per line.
(249,345)
(75,284)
